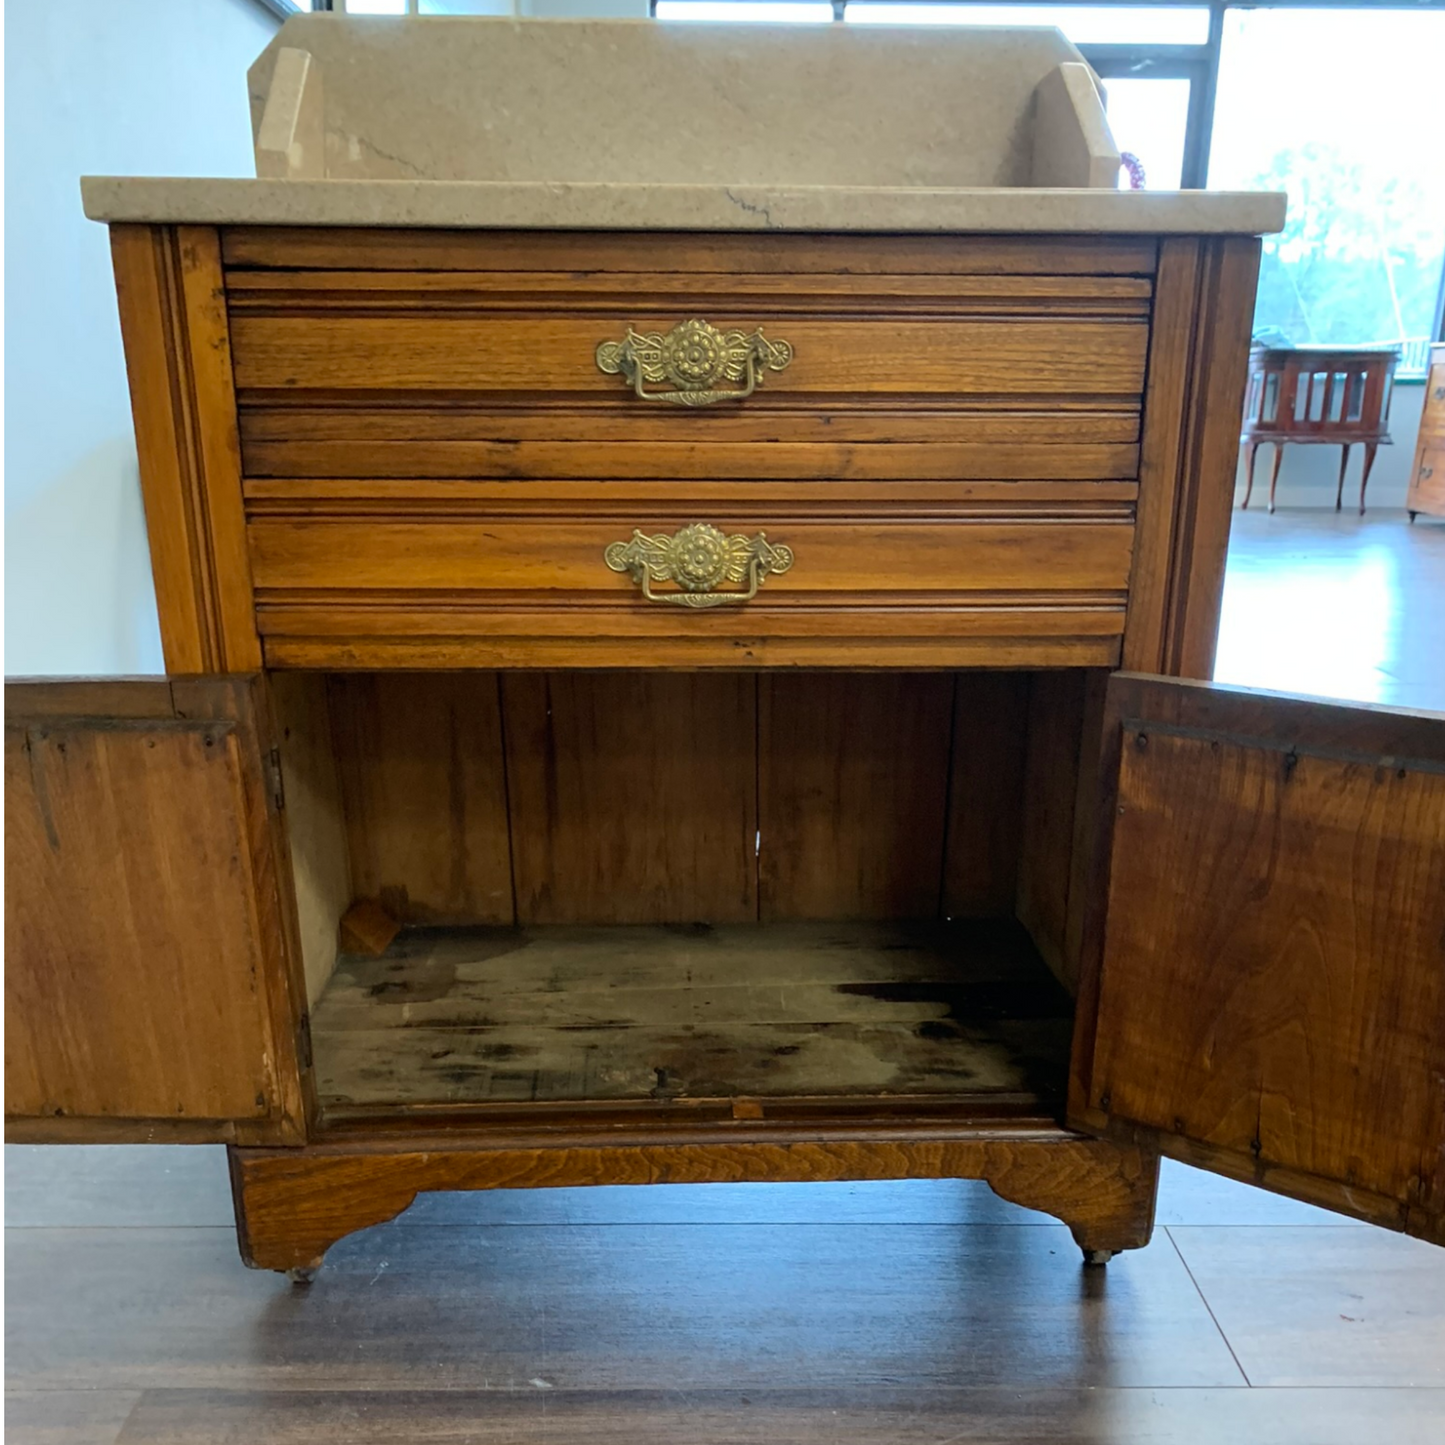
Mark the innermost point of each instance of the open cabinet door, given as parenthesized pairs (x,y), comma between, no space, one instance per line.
(1263,988)
(149,925)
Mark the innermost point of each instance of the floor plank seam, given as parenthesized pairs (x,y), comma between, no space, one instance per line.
(1228,1344)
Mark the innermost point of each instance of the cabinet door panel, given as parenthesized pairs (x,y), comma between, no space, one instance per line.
(1265,990)
(148,992)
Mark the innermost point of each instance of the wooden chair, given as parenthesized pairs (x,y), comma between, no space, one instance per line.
(1316,394)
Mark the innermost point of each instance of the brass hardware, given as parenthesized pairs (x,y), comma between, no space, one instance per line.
(698,558)
(694,357)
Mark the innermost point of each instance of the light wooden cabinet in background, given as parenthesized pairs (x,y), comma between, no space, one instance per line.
(1427,480)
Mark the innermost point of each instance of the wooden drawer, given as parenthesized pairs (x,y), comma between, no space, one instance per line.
(942,371)
(843,348)
(364,583)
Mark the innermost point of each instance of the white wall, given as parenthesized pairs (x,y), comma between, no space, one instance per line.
(1309,475)
(93,87)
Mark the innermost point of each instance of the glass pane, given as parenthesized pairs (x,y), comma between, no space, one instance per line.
(1341,110)
(799,12)
(375,7)
(1083,24)
(1148,119)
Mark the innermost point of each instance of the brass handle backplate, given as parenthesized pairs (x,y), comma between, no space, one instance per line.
(698,559)
(695,357)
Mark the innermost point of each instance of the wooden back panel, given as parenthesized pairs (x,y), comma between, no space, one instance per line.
(677,798)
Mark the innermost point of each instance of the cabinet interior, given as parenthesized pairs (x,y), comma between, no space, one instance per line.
(650,890)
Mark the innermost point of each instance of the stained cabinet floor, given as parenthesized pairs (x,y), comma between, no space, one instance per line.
(487,1015)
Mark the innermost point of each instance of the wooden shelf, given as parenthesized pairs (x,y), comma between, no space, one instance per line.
(455,1016)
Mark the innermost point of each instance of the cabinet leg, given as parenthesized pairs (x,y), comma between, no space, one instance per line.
(292,1205)
(291,1208)
(1104,1192)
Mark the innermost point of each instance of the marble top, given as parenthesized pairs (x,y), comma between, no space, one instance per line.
(648,102)
(639,125)
(582,206)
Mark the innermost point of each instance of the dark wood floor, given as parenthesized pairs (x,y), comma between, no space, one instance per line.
(910,1312)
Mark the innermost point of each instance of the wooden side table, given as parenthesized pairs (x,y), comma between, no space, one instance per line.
(1315,394)
(1427,479)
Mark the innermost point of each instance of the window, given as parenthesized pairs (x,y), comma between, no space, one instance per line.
(1150,121)
(1336,104)
(1359,261)
(1083,24)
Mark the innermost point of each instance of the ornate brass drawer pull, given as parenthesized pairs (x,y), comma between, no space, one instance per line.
(698,558)
(694,357)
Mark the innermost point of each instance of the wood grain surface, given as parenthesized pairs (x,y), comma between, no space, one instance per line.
(350,552)
(1288,858)
(693,253)
(853,794)
(150,987)
(632,797)
(366,382)
(177,348)
(870,796)
(986,780)
(293,1205)
(374,366)
(894,356)
(1051,778)
(545,440)
(1208,448)
(424,794)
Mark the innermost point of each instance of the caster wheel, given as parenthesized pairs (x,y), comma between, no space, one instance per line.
(301,1275)
(1097,1258)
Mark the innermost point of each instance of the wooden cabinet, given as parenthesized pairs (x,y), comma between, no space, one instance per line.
(1427,480)
(859,863)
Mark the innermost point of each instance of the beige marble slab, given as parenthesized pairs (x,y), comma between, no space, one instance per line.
(642,102)
(528,205)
